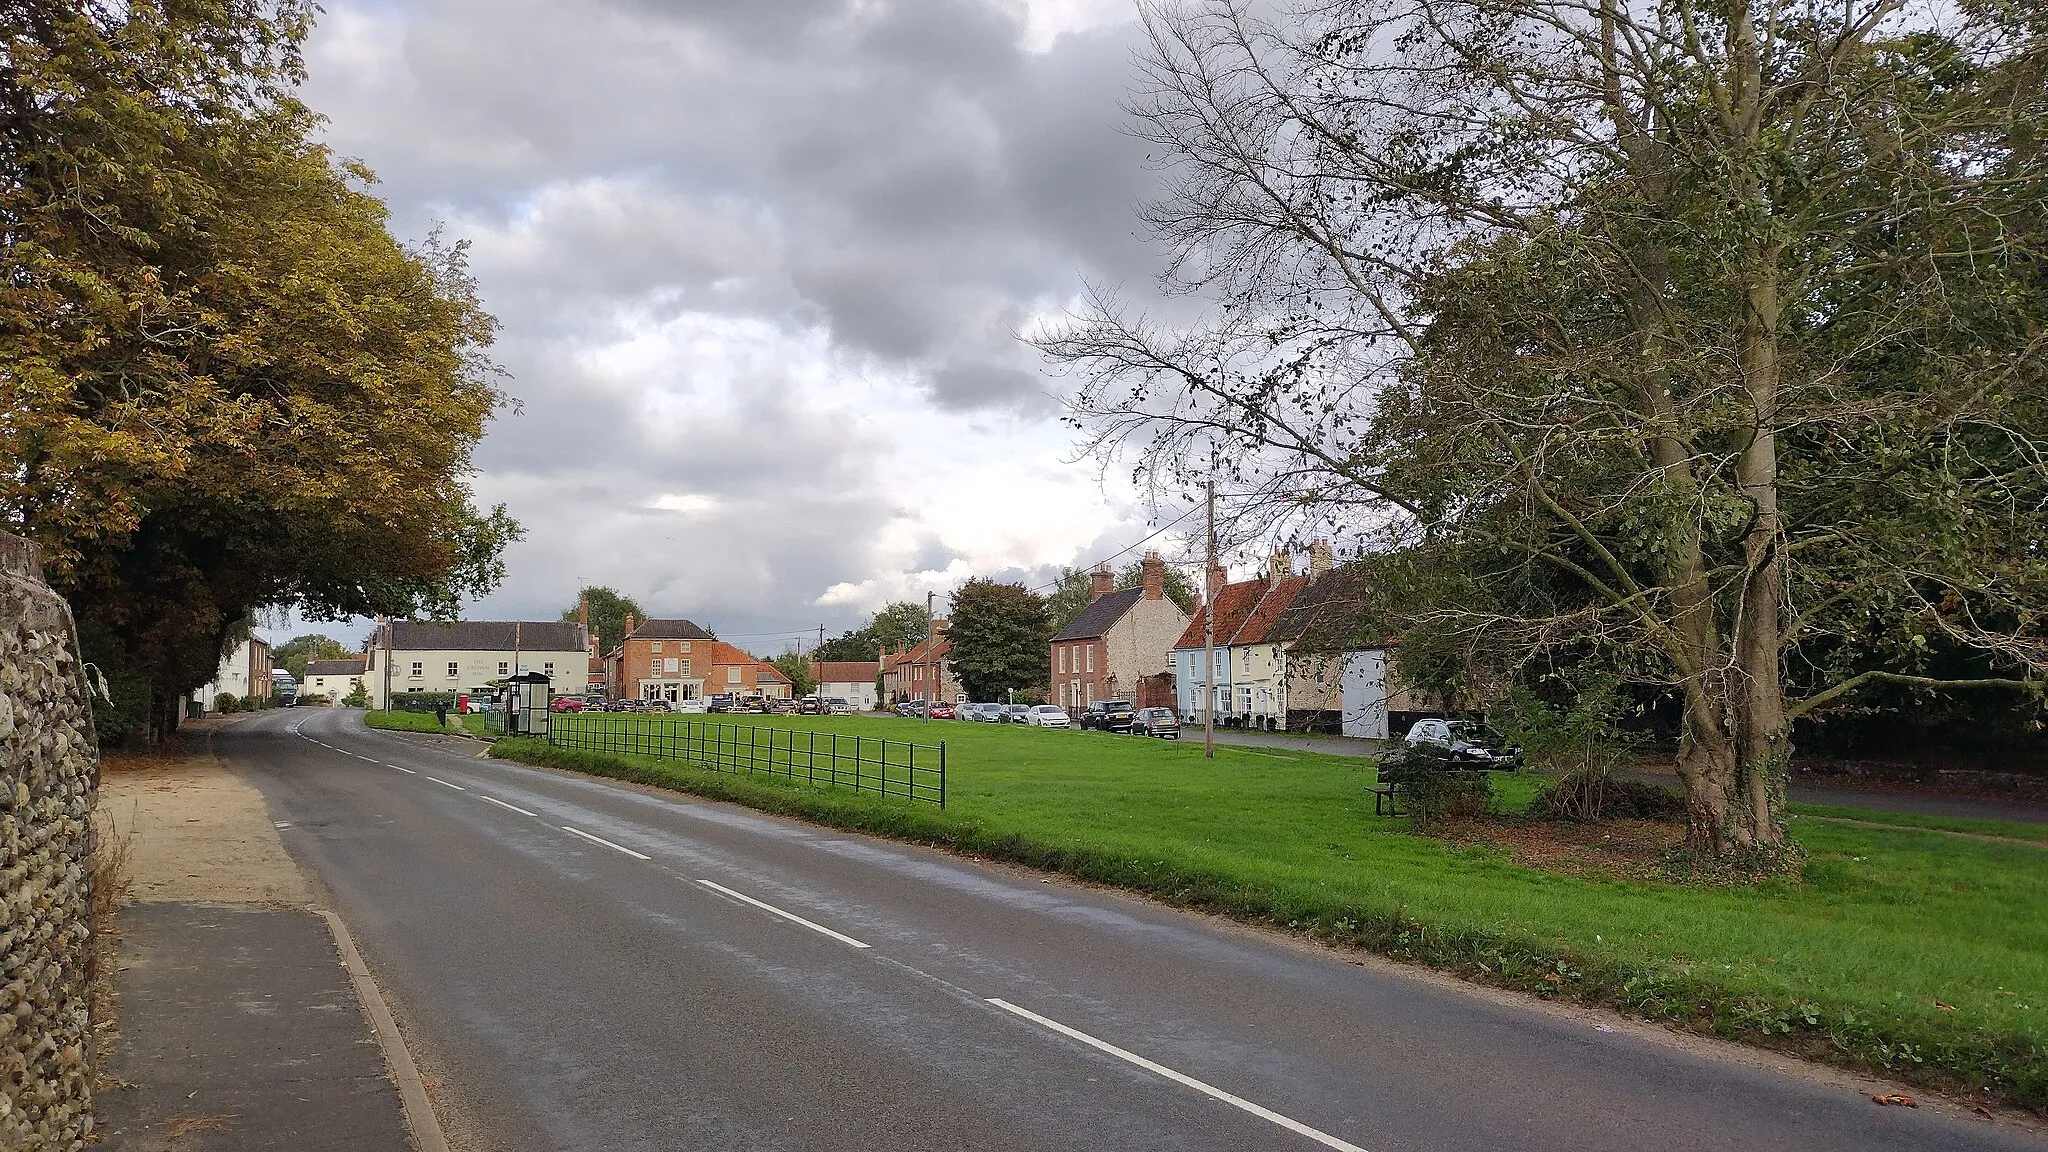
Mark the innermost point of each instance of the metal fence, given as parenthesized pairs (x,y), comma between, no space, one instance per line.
(862,763)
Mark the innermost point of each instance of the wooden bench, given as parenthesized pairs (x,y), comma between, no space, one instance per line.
(1386,799)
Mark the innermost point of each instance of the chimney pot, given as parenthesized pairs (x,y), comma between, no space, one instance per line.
(1101,582)
(1283,567)
(1319,558)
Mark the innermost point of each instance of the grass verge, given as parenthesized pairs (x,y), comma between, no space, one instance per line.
(1904,952)
(404,721)
(2008,829)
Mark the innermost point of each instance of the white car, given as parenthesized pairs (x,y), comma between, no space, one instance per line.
(1467,743)
(695,705)
(1047,716)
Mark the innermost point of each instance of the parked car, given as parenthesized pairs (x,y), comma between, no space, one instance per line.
(1468,743)
(721,702)
(839,705)
(1160,722)
(1047,716)
(783,706)
(810,706)
(566,704)
(910,708)
(1015,714)
(1109,715)
(657,706)
(693,705)
(941,710)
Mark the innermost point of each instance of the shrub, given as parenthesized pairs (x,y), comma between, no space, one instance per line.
(422,701)
(1589,795)
(1435,787)
(358,696)
(227,702)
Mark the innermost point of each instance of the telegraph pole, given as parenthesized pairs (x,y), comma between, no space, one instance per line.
(931,634)
(387,661)
(1209,633)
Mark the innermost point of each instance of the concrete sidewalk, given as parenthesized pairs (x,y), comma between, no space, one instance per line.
(241,1030)
(240,1027)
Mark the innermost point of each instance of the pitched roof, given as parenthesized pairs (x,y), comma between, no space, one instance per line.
(1260,619)
(939,646)
(1233,603)
(485,636)
(334,667)
(1101,615)
(1330,616)
(845,671)
(668,630)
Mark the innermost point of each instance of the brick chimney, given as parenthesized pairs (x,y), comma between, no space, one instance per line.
(1218,577)
(1319,559)
(1155,576)
(1283,567)
(583,611)
(1101,582)
(630,624)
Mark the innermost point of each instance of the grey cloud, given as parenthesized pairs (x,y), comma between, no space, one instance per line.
(967,387)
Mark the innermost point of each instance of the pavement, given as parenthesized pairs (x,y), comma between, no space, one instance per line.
(585,964)
(241,1030)
(238,1025)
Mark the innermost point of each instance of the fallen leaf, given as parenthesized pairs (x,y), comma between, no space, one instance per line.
(1896,1099)
(1982,1111)
(1944,1007)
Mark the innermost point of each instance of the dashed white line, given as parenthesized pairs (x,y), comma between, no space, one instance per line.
(792,917)
(502,804)
(445,784)
(605,842)
(1210,1090)
(407,771)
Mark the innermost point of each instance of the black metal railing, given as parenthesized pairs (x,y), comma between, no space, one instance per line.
(862,763)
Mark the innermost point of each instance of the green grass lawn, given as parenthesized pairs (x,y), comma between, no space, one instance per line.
(1854,963)
(405,721)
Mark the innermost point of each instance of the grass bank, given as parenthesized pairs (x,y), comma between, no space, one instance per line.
(1908,952)
(404,721)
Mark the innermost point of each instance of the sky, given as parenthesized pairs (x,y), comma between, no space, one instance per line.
(760,269)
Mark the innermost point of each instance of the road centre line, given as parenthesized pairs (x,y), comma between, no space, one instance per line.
(792,917)
(601,840)
(445,784)
(1210,1090)
(502,804)
(407,771)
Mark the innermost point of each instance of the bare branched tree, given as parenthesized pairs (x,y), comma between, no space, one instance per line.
(1701,338)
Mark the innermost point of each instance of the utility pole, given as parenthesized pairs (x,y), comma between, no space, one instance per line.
(931,634)
(386,621)
(1209,633)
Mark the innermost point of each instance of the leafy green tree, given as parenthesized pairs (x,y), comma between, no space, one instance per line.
(895,627)
(294,654)
(796,668)
(1000,634)
(226,384)
(358,696)
(1699,341)
(608,609)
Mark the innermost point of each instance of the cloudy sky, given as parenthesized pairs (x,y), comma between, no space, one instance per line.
(759,266)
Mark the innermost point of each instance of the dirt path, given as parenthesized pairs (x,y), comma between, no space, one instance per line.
(196,831)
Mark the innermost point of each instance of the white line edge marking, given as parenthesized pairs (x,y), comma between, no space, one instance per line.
(1295,1126)
(445,784)
(605,842)
(407,771)
(502,804)
(792,917)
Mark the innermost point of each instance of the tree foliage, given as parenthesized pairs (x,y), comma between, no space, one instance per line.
(895,628)
(1700,342)
(226,385)
(608,609)
(796,668)
(294,654)
(1000,635)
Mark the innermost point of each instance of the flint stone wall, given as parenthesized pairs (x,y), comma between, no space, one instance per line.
(49,771)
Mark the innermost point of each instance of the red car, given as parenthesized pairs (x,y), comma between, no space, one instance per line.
(566,704)
(942,711)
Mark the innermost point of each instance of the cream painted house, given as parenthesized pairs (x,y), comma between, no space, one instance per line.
(334,679)
(245,671)
(467,655)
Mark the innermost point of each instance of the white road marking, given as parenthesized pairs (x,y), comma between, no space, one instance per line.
(605,842)
(284,824)
(792,917)
(502,804)
(407,771)
(1295,1126)
(445,784)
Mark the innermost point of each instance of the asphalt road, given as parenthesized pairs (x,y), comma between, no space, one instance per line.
(586,965)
